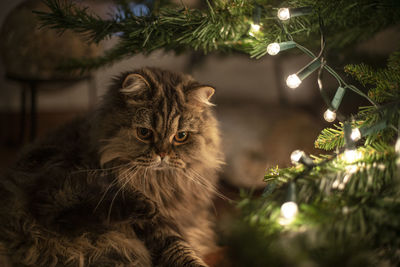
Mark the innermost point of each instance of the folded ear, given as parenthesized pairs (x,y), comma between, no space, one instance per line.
(134,83)
(200,96)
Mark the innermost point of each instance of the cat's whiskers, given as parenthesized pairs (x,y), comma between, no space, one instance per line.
(101,169)
(145,178)
(126,177)
(113,183)
(199,179)
(208,183)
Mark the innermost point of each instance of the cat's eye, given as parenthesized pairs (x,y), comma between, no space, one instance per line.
(181,137)
(144,134)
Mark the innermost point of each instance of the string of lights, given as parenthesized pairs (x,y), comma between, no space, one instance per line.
(289,208)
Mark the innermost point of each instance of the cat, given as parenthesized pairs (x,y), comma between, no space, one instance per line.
(129,185)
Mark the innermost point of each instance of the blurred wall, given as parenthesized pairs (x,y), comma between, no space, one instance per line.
(233,75)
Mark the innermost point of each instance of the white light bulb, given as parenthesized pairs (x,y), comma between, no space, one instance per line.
(289,210)
(351,155)
(254,29)
(355,134)
(329,115)
(293,81)
(273,49)
(397,146)
(335,184)
(296,156)
(283,13)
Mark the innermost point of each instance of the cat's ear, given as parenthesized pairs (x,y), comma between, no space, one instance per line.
(201,96)
(134,83)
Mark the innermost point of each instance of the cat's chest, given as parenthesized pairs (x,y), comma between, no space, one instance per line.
(176,196)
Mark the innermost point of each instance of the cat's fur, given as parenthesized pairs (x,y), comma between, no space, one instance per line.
(94,194)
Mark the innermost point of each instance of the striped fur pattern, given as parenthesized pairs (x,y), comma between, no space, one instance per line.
(119,187)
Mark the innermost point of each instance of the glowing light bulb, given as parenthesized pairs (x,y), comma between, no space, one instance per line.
(293,81)
(351,155)
(283,13)
(254,29)
(329,115)
(273,49)
(335,184)
(289,210)
(355,134)
(296,156)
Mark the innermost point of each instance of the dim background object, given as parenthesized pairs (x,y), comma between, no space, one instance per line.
(32,56)
(257,137)
(32,53)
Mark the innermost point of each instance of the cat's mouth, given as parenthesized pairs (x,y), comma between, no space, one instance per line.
(162,164)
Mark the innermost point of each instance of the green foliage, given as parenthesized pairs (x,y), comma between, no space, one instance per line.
(221,26)
(330,138)
(66,15)
(385,82)
(385,90)
(348,210)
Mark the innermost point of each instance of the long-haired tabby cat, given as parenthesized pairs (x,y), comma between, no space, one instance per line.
(130,185)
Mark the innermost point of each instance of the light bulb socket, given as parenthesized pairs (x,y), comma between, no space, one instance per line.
(274,48)
(374,128)
(300,11)
(337,99)
(349,142)
(286,45)
(299,156)
(291,193)
(307,161)
(257,14)
(308,69)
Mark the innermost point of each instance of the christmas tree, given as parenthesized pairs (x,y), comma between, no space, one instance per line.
(338,208)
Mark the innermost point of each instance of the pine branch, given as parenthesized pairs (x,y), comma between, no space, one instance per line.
(386,81)
(66,15)
(330,138)
(221,26)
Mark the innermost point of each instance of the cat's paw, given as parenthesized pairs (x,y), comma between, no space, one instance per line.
(143,209)
(196,264)
(132,206)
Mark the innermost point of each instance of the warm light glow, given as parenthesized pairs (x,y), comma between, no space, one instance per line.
(273,49)
(293,81)
(352,155)
(346,178)
(350,169)
(329,115)
(254,29)
(289,210)
(397,146)
(296,156)
(355,134)
(283,13)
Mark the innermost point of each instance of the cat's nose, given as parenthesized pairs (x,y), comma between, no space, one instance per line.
(162,154)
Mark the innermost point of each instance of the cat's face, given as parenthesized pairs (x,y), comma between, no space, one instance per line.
(164,121)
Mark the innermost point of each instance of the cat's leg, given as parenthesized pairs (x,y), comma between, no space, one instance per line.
(166,243)
(177,252)
(201,235)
